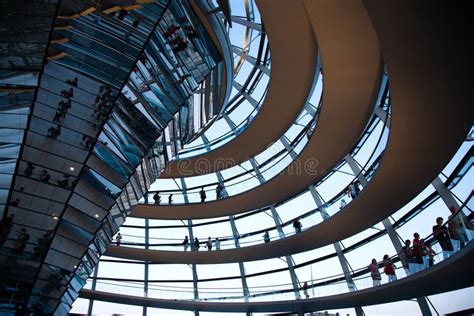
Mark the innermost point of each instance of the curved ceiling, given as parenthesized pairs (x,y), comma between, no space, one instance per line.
(292,76)
(352,67)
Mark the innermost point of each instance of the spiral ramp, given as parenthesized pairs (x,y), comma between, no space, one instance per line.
(396,87)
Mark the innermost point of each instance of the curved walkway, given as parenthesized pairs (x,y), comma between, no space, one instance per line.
(418,149)
(352,69)
(456,269)
(292,75)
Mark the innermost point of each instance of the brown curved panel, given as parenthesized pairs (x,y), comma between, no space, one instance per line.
(294,54)
(352,67)
(431,116)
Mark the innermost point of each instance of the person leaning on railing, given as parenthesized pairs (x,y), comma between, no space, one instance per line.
(406,256)
(441,234)
(374,272)
(389,269)
(459,226)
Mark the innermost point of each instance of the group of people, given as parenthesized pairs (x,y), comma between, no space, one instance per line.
(23,237)
(122,13)
(296,225)
(459,229)
(20,242)
(353,189)
(202,194)
(196,244)
(5,228)
(103,103)
(87,141)
(418,254)
(65,182)
(42,244)
(54,131)
(188,30)
(157,198)
(44,176)
(63,107)
(177,42)
(61,110)
(388,269)
(219,193)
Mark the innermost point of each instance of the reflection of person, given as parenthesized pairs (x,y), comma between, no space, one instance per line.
(42,244)
(217,243)
(65,181)
(15,203)
(44,176)
(21,240)
(54,132)
(29,169)
(72,82)
(5,228)
(54,283)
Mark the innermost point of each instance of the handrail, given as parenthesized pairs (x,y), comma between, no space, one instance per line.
(330,202)
(357,274)
(384,94)
(241,236)
(415,211)
(248,213)
(460,169)
(298,139)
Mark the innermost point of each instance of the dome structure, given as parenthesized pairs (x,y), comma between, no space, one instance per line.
(236,157)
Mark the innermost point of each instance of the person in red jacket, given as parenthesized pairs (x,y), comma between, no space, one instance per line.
(389,269)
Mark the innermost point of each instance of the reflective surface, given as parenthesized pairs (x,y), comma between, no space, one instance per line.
(86,140)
